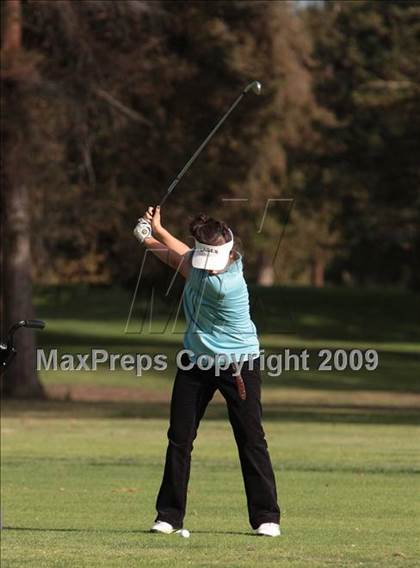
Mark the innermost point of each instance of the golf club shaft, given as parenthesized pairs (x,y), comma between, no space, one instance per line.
(203,145)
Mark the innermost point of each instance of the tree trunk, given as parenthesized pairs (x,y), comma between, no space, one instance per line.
(21,378)
(414,282)
(12,38)
(265,274)
(317,270)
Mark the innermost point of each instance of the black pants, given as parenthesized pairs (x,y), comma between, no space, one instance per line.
(192,391)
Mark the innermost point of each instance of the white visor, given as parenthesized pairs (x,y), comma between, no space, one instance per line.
(212,257)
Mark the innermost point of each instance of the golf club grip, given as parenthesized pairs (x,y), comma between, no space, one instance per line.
(34,324)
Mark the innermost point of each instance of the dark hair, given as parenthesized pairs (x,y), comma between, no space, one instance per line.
(210,231)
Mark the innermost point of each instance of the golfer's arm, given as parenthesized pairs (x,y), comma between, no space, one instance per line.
(168,255)
(172,242)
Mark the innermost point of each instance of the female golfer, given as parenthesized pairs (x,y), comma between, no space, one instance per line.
(221,352)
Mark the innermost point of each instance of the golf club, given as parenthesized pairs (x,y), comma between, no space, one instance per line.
(255,87)
(7,350)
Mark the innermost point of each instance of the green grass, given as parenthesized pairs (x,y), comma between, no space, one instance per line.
(296,318)
(79,490)
(80,477)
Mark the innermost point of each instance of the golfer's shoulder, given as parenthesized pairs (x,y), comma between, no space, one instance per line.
(233,278)
(236,267)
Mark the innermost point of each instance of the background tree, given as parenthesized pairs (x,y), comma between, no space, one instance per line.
(366,75)
(18,75)
(129,89)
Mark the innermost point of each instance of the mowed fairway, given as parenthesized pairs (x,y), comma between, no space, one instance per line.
(80,477)
(79,490)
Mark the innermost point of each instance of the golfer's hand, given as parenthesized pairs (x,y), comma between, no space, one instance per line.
(153,216)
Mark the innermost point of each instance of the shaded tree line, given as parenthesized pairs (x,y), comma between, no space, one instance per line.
(118,94)
(366,74)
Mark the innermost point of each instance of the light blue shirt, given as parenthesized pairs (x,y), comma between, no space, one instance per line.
(216,308)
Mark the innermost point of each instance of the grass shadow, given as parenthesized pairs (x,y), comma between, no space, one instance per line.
(118,531)
(320,413)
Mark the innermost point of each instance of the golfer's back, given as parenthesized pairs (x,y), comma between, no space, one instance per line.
(217,312)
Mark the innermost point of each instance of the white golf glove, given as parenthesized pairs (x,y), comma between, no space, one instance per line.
(142,230)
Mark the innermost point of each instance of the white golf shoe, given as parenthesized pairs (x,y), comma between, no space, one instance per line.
(268,529)
(162,527)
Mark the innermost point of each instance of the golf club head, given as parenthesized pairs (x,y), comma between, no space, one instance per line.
(32,324)
(255,87)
